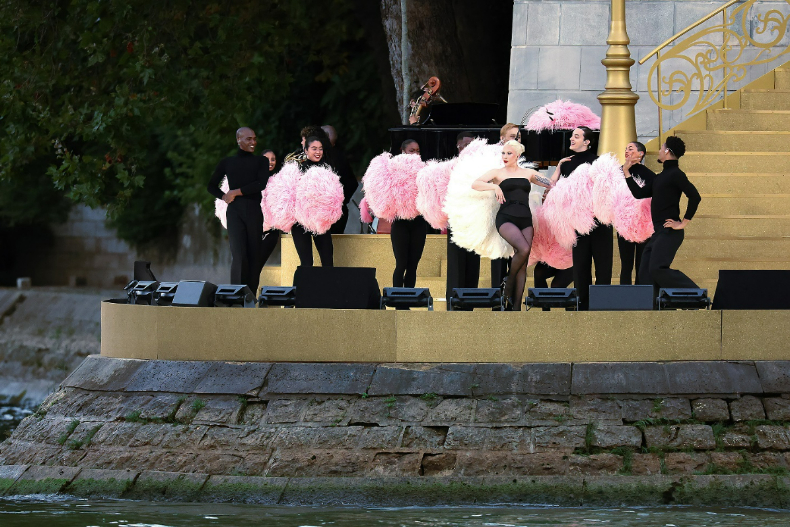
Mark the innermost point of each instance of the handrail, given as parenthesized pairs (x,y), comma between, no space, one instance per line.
(692,26)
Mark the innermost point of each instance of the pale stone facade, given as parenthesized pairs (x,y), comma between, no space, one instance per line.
(557,48)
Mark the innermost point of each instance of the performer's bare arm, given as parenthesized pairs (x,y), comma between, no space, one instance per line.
(485,182)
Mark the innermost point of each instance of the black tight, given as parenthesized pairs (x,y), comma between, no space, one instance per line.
(521,240)
(323,242)
(408,242)
(629,252)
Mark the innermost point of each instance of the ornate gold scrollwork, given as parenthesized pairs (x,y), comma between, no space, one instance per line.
(701,64)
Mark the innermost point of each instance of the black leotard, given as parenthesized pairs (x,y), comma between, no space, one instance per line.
(515,209)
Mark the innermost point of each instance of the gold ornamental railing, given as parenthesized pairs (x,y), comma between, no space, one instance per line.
(707,61)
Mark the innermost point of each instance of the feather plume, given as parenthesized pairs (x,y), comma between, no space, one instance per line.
(568,207)
(563,115)
(545,247)
(279,198)
(607,177)
(432,181)
(364,211)
(319,199)
(220,207)
(632,218)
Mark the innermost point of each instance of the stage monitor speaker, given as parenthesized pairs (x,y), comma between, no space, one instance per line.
(752,290)
(143,292)
(164,294)
(337,287)
(547,298)
(466,298)
(233,295)
(194,293)
(621,298)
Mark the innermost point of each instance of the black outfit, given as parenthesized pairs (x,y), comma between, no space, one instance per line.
(631,252)
(350,184)
(408,242)
(562,277)
(463,268)
(515,209)
(302,238)
(597,246)
(665,189)
(249,173)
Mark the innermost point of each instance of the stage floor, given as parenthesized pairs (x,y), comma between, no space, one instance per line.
(327,335)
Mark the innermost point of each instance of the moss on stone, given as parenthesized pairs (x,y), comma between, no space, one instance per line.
(5,484)
(99,488)
(41,486)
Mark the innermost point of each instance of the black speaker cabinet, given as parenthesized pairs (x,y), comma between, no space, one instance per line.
(752,290)
(337,287)
(194,293)
(621,298)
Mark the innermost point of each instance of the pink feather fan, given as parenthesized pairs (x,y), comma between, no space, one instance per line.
(391,186)
(632,218)
(607,178)
(545,247)
(319,199)
(376,183)
(279,198)
(364,211)
(568,207)
(220,207)
(563,115)
(432,182)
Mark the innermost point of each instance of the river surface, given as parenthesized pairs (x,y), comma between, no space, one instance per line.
(51,511)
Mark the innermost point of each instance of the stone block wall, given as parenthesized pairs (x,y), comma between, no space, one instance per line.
(557,48)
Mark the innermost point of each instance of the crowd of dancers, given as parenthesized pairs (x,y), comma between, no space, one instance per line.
(483,199)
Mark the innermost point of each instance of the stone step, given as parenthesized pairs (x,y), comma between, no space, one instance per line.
(773,205)
(765,99)
(736,162)
(740,183)
(752,120)
(768,249)
(718,226)
(782,78)
(734,141)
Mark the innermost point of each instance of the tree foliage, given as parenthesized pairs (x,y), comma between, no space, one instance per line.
(131,101)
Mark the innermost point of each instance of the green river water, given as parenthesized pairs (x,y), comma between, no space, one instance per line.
(48,511)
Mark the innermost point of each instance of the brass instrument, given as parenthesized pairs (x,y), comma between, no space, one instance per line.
(298,156)
(430,93)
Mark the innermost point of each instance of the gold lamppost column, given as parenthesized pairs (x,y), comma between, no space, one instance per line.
(618,118)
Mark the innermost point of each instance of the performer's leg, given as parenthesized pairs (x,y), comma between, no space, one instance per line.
(339,226)
(418,229)
(562,278)
(643,269)
(498,271)
(254,241)
(639,249)
(664,251)
(521,241)
(602,252)
(325,248)
(627,250)
(237,235)
(582,269)
(471,274)
(268,245)
(304,245)
(399,236)
(455,268)
(541,275)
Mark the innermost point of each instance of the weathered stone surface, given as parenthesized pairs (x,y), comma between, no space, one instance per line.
(658,408)
(499,411)
(424,437)
(558,438)
(731,461)
(43,480)
(645,464)
(323,378)
(296,437)
(617,436)
(163,406)
(152,485)
(254,413)
(243,489)
(168,376)
(310,463)
(511,464)
(509,438)
(451,411)
(327,411)
(380,410)
(747,408)
(379,437)
(438,464)
(222,438)
(774,376)
(223,409)
(392,464)
(596,464)
(594,409)
(418,379)
(285,410)
(619,377)
(103,373)
(699,437)
(236,378)
(182,436)
(533,379)
(712,377)
(547,413)
(771,437)
(466,438)
(711,410)
(777,409)
(684,463)
(737,437)
(115,434)
(764,460)
(98,483)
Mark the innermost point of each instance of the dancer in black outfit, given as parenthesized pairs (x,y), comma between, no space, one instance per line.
(543,271)
(463,267)
(665,189)
(511,184)
(247,176)
(301,237)
(631,252)
(407,237)
(597,246)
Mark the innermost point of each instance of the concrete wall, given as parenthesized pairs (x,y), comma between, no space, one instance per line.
(557,48)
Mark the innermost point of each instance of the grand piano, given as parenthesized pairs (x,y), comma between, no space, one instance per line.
(439,129)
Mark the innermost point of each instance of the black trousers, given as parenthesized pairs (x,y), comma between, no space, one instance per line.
(408,242)
(463,268)
(630,253)
(339,227)
(562,277)
(597,246)
(304,247)
(659,252)
(499,270)
(245,231)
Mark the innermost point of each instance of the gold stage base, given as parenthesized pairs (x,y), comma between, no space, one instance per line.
(326,335)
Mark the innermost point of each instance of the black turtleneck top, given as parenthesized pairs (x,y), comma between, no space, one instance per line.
(245,171)
(665,189)
(588,156)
